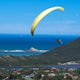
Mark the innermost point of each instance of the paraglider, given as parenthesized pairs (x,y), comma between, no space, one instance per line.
(59,41)
(42,15)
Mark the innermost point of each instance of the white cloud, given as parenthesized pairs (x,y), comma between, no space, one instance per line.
(65,22)
(13,28)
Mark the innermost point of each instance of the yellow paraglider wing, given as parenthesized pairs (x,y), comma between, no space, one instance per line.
(42,15)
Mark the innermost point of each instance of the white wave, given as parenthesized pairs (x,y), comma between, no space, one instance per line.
(36,50)
(30,50)
(12,50)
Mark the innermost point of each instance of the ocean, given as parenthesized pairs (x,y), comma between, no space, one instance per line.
(18,44)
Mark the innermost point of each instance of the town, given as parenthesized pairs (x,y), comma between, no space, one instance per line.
(41,73)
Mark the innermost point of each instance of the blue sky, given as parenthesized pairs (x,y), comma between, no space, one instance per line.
(17,16)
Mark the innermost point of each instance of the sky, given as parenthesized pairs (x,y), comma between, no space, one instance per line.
(17,17)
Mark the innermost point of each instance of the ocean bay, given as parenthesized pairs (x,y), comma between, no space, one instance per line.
(26,42)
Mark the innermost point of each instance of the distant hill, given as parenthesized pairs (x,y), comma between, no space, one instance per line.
(68,52)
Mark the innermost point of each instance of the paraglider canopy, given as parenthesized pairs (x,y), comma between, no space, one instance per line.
(42,15)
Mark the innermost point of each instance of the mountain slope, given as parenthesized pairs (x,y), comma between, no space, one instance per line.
(64,53)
